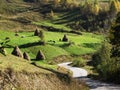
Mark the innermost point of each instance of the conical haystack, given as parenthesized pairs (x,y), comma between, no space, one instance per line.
(17,52)
(40,55)
(26,56)
(36,33)
(65,39)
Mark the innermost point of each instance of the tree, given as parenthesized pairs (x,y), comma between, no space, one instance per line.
(42,37)
(114,6)
(115,37)
(56,2)
(96,8)
(52,14)
(108,58)
(66,3)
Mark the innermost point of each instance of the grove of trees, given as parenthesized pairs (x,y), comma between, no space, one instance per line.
(107,60)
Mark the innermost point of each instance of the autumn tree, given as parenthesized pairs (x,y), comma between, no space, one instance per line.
(51,14)
(96,8)
(56,2)
(114,6)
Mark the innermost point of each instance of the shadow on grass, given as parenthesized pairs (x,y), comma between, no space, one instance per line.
(63,77)
(30,45)
(69,17)
(91,45)
(8,46)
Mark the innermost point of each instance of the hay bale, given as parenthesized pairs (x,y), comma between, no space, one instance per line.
(22,36)
(26,56)
(17,52)
(3,51)
(36,33)
(16,34)
(65,39)
(7,38)
(40,55)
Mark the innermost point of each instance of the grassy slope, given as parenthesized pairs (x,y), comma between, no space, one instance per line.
(18,64)
(19,74)
(83,44)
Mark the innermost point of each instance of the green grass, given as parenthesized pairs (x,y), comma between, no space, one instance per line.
(45,65)
(50,24)
(81,44)
(77,50)
(49,51)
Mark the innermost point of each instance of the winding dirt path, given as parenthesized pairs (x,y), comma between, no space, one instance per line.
(81,74)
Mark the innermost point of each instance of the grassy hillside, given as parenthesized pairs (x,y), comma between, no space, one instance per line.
(77,45)
(18,64)
(19,74)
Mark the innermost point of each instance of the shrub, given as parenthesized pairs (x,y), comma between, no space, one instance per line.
(79,63)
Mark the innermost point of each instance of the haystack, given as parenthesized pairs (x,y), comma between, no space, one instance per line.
(26,56)
(40,55)
(17,52)
(65,39)
(36,33)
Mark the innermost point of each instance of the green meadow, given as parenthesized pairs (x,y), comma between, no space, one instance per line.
(86,43)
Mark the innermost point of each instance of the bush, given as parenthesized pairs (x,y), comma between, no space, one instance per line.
(108,67)
(79,63)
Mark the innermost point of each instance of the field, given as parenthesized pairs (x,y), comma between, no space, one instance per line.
(78,44)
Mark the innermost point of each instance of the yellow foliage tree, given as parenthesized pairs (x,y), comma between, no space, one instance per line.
(95,9)
(115,6)
(52,13)
(56,2)
(118,5)
(87,7)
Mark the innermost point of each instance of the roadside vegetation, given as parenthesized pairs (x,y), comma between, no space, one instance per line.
(107,60)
